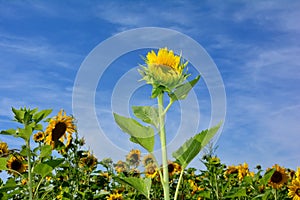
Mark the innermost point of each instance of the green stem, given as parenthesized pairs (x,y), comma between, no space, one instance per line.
(162,134)
(178,184)
(29,169)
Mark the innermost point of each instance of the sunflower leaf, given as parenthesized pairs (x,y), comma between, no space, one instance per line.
(19,114)
(25,133)
(236,192)
(3,162)
(141,185)
(142,135)
(9,132)
(265,179)
(42,169)
(182,90)
(190,149)
(46,151)
(147,114)
(41,115)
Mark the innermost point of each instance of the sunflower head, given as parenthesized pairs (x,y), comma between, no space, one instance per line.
(151,170)
(16,165)
(164,69)
(59,129)
(279,177)
(39,137)
(3,149)
(148,159)
(294,189)
(120,166)
(134,157)
(88,162)
(173,168)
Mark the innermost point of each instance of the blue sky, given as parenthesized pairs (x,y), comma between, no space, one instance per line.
(254,44)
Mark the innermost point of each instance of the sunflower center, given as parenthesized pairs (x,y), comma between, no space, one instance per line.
(171,168)
(58,131)
(276,177)
(16,165)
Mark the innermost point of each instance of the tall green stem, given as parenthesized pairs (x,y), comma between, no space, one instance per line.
(162,134)
(29,169)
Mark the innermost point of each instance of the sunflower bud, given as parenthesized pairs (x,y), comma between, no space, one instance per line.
(163,70)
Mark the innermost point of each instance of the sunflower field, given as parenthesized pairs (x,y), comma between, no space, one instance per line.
(53,162)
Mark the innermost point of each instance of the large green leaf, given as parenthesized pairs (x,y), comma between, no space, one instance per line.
(143,135)
(190,149)
(19,114)
(147,114)
(143,186)
(9,132)
(25,133)
(182,91)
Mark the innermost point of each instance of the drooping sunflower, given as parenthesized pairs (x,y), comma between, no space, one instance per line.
(39,136)
(3,149)
(115,196)
(294,189)
(163,69)
(120,166)
(151,170)
(134,157)
(60,127)
(148,159)
(89,161)
(16,164)
(279,177)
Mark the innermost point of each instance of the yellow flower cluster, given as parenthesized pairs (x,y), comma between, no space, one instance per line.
(294,187)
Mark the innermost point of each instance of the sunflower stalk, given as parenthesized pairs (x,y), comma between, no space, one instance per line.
(162,134)
(29,169)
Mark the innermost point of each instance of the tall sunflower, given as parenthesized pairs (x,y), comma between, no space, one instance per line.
(16,164)
(294,189)
(3,149)
(60,127)
(279,177)
(163,69)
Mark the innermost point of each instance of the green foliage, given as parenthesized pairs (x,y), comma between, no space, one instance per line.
(147,114)
(190,149)
(182,90)
(141,185)
(143,135)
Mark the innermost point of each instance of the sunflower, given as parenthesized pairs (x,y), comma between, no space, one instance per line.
(279,177)
(60,127)
(16,165)
(134,157)
(120,166)
(163,69)
(148,159)
(151,170)
(115,196)
(39,137)
(173,168)
(89,161)
(243,171)
(298,173)
(3,149)
(231,170)
(294,189)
